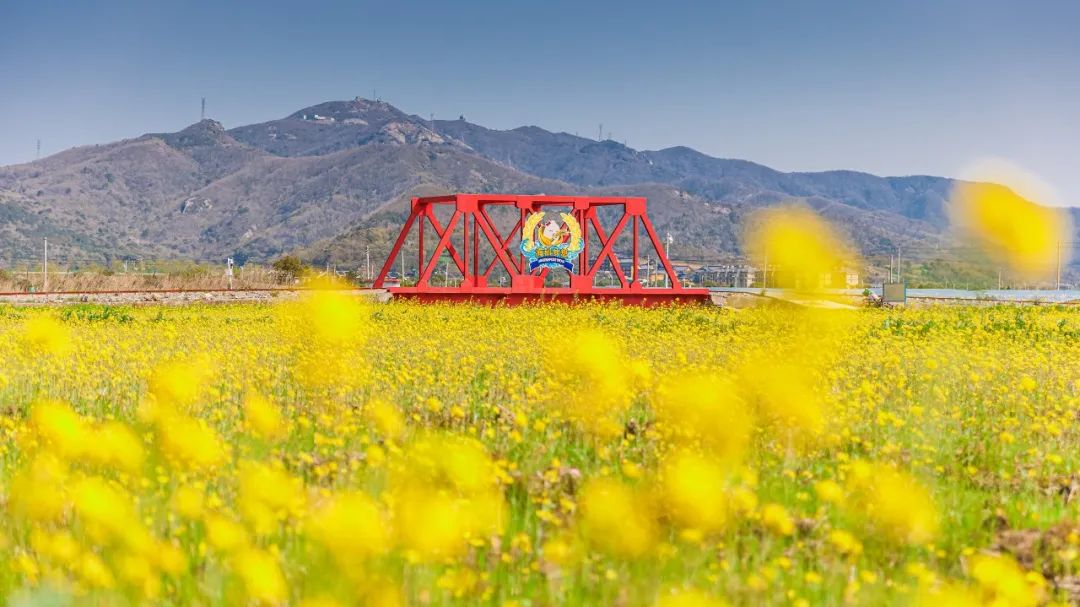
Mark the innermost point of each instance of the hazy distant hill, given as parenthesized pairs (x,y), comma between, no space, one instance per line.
(329,179)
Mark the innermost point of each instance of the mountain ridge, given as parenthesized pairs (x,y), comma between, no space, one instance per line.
(324,178)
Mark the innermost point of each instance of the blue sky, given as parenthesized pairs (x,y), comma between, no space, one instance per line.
(892,88)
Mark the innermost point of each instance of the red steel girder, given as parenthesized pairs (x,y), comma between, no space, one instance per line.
(472,210)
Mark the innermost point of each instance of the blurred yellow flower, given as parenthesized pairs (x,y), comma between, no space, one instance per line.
(894,502)
(45,335)
(36,492)
(115,444)
(590,382)
(1005,582)
(844,542)
(189,502)
(776,519)
(178,383)
(225,534)
(617,519)
(351,528)
(693,490)
(796,245)
(386,418)
(268,495)
(60,428)
(262,576)
(1011,229)
(687,598)
(704,409)
(102,507)
(263,419)
(190,442)
(829,491)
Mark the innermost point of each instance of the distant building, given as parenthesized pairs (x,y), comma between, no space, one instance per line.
(725,275)
(842,278)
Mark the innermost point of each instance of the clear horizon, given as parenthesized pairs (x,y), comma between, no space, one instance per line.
(957,89)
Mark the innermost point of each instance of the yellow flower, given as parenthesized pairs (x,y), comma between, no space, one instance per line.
(190,442)
(45,335)
(61,428)
(693,492)
(433,525)
(335,316)
(561,550)
(687,598)
(188,502)
(703,409)
(103,508)
(1002,579)
(894,502)
(267,495)
(783,394)
(844,542)
(616,519)
(95,572)
(386,418)
(351,527)
(263,419)
(589,381)
(1011,229)
(796,244)
(776,519)
(829,491)
(115,444)
(178,383)
(37,491)
(262,576)
(224,534)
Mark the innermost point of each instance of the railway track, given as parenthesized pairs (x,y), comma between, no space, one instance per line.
(164,296)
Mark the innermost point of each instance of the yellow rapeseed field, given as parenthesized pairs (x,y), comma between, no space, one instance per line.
(331,452)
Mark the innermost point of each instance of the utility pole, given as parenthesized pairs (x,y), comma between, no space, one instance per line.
(367,253)
(202,114)
(45,267)
(899,268)
(1058,282)
(667,252)
(229,271)
(600,134)
(38,156)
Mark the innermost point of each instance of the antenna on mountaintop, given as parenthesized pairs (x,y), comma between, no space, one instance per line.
(202,114)
(600,135)
(38,157)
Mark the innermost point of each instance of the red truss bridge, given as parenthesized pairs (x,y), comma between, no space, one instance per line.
(557,248)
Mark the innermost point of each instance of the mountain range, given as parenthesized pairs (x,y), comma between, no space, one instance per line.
(333,179)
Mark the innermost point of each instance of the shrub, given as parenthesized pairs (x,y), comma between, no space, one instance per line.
(288,269)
